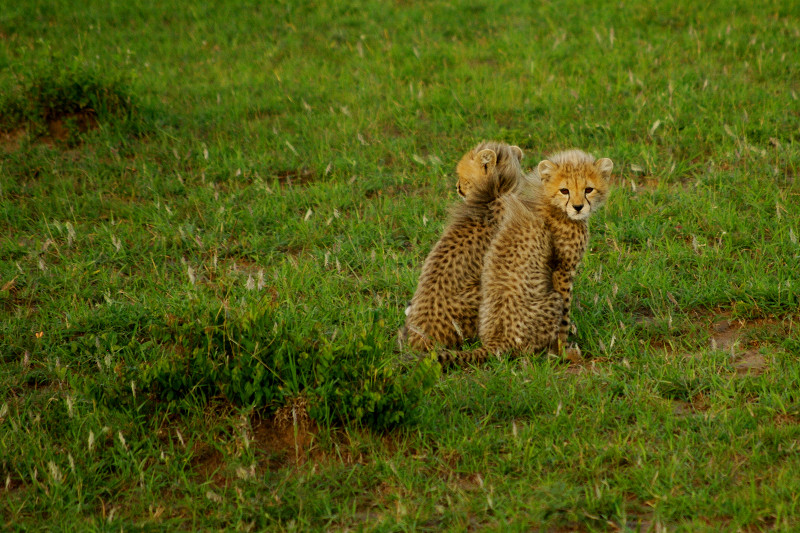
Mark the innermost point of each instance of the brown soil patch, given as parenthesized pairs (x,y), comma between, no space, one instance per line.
(751,362)
(300,176)
(277,445)
(697,404)
(390,191)
(64,127)
(736,337)
(284,443)
(467,482)
(209,464)
(60,129)
(728,332)
(787,420)
(10,141)
(238,263)
(729,336)
(584,366)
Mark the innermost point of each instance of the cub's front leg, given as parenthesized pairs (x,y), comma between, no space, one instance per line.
(569,253)
(562,283)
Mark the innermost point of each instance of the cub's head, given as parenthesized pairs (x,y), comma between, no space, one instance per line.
(575,182)
(491,167)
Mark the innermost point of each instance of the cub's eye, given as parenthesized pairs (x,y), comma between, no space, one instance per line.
(588,190)
(564,191)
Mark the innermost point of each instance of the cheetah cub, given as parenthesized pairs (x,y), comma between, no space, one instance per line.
(530,265)
(520,310)
(573,185)
(473,179)
(444,309)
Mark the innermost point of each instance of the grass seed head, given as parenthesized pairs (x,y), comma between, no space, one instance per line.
(55,472)
(69,401)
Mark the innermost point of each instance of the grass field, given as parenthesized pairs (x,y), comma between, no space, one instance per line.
(212,216)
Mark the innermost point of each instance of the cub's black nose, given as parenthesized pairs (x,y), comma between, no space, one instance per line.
(578,207)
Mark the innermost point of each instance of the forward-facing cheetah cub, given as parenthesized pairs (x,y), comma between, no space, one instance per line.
(574,185)
(530,265)
(444,309)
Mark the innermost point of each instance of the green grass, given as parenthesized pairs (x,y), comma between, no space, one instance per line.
(201,284)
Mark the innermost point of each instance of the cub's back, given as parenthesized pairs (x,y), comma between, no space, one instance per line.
(444,308)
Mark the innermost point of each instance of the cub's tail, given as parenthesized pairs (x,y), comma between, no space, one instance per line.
(462,358)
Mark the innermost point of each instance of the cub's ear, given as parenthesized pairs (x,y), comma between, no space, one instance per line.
(487,159)
(604,167)
(517,151)
(546,169)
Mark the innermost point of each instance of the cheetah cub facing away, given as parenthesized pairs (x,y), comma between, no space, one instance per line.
(530,266)
(444,309)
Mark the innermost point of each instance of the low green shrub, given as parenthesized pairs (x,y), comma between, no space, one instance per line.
(75,93)
(262,357)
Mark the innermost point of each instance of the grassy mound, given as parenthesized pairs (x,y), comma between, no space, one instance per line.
(66,98)
(264,358)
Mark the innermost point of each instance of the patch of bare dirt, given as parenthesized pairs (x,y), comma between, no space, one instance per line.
(787,420)
(64,127)
(735,336)
(730,336)
(697,404)
(292,177)
(209,463)
(751,362)
(60,129)
(287,438)
(579,365)
(390,191)
(10,141)
(466,482)
(726,334)
(279,442)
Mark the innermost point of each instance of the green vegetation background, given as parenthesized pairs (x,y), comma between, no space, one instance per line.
(212,216)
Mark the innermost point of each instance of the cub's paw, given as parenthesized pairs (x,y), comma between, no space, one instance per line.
(573,354)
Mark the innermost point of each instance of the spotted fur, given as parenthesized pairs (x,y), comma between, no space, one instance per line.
(573,185)
(519,310)
(444,309)
(472,177)
(530,266)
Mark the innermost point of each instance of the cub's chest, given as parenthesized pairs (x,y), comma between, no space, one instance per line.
(569,242)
